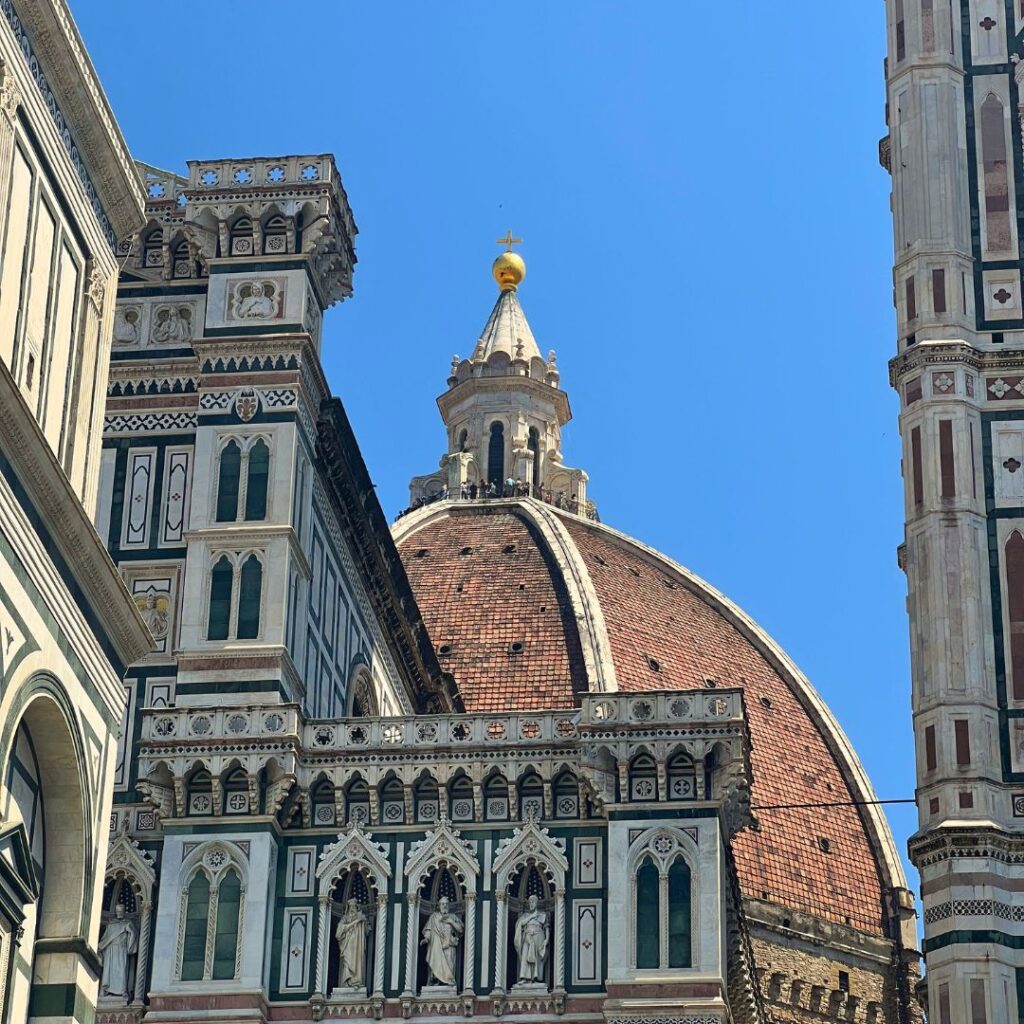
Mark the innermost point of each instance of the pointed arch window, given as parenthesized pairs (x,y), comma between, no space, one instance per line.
(234,611)
(996,179)
(662,909)
(241,237)
(496,455)
(221,583)
(153,249)
(679,923)
(228,480)
(643,778)
(182,263)
(1015,609)
(225,942)
(212,912)
(460,799)
(250,593)
(197,914)
(256,480)
(275,236)
(648,939)
(243,479)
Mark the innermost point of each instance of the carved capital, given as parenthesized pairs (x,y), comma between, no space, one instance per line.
(96,287)
(10,93)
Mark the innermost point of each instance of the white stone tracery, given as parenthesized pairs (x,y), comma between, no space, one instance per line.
(664,846)
(354,850)
(529,845)
(442,847)
(214,859)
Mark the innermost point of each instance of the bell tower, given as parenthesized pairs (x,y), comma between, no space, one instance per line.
(504,410)
(953,147)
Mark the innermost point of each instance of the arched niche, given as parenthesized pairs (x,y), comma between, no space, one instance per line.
(354,867)
(441,864)
(529,862)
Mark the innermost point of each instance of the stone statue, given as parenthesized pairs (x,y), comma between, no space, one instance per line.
(126,327)
(531,941)
(255,305)
(174,327)
(155,618)
(120,940)
(441,937)
(351,936)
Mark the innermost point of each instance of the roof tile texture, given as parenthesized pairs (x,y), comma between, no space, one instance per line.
(518,595)
(484,601)
(791,760)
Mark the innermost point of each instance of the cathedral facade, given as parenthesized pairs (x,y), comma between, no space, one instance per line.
(497,760)
(954,78)
(276,759)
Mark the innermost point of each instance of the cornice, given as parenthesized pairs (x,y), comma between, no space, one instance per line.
(935,353)
(56,502)
(472,386)
(984,840)
(84,109)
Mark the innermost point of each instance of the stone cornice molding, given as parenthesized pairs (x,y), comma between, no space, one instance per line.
(473,386)
(984,840)
(86,111)
(57,504)
(933,353)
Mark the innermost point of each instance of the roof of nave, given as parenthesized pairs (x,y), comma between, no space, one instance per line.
(596,610)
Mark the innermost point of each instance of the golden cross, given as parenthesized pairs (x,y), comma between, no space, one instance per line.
(508,241)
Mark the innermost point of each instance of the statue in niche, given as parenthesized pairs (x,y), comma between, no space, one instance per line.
(441,937)
(172,325)
(351,936)
(126,327)
(256,301)
(531,942)
(154,613)
(120,940)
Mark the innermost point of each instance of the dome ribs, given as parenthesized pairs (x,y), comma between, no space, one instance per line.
(792,761)
(486,603)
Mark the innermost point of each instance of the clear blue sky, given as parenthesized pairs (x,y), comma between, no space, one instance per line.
(708,243)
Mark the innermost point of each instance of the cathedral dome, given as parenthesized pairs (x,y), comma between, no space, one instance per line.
(530,606)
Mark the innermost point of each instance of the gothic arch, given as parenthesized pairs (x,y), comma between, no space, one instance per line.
(215,861)
(663,846)
(443,849)
(126,861)
(354,850)
(530,846)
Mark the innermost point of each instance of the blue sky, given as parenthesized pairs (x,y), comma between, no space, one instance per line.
(708,243)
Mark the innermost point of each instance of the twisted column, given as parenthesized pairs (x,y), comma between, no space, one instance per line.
(500,931)
(411,935)
(382,934)
(321,945)
(559,939)
(469,948)
(142,959)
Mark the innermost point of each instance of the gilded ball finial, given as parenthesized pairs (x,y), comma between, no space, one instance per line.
(508,269)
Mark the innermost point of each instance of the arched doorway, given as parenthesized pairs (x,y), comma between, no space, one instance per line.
(46,784)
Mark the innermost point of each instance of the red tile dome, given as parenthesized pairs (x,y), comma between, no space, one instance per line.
(529,606)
